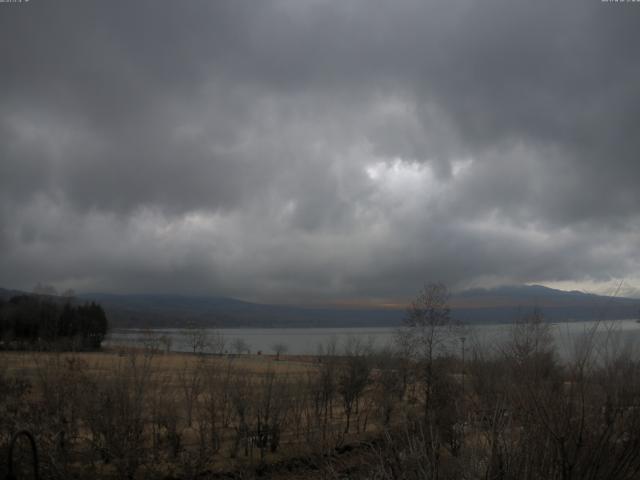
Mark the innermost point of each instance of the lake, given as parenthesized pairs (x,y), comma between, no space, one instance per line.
(611,336)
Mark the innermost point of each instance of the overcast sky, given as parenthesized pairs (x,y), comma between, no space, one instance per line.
(319,151)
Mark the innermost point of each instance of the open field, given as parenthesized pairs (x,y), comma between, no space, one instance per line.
(28,363)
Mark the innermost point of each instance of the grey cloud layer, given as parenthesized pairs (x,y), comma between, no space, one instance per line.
(317,149)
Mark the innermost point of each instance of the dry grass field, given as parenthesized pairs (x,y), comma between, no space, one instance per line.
(28,363)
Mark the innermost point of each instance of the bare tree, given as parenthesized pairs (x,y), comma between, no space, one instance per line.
(389,383)
(115,414)
(197,339)
(270,411)
(531,337)
(150,341)
(353,377)
(241,391)
(279,349)
(427,331)
(190,381)
(216,408)
(240,346)
(166,342)
(217,342)
(322,388)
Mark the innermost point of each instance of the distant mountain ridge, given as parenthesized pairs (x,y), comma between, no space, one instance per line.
(538,294)
(496,305)
(181,310)
(507,303)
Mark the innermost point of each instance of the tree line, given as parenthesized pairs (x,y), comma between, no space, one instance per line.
(31,321)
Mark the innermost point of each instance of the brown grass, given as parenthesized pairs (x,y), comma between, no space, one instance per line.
(25,364)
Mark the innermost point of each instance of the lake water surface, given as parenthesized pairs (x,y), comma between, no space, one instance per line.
(614,336)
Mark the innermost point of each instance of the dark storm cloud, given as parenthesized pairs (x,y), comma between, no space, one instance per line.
(317,149)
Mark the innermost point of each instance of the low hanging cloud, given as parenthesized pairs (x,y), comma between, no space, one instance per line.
(317,150)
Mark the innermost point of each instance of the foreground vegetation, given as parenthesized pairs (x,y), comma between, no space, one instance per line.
(514,412)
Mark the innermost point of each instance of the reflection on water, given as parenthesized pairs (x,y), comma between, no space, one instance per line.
(610,337)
